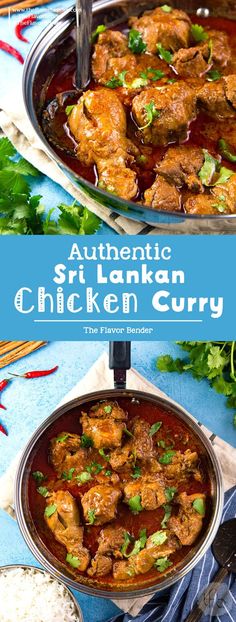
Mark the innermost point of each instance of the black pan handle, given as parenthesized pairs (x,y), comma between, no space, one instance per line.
(120,361)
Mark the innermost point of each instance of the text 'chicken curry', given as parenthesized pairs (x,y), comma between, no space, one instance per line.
(121,494)
(157,122)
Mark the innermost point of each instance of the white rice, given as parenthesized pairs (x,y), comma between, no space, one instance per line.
(27,595)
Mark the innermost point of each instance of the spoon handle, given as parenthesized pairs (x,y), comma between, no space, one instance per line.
(207,597)
(83,41)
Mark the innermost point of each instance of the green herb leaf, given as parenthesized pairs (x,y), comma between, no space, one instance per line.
(86,441)
(84,477)
(50,510)
(159,537)
(166,8)
(166,458)
(135,504)
(67,475)
(104,455)
(108,473)
(139,544)
(170,493)
(94,468)
(42,490)
(136,43)
(224,176)
(168,510)
(155,427)
(151,113)
(101,28)
(167,363)
(137,472)
(69,109)
(213,75)
(73,560)
(164,54)
(91,517)
(208,169)
(198,33)
(162,564)
(128,433)
(62,438)
(151,74)
(199,506)
(127,540)
(39,476)
(225,150)
(118,81)
(107,409)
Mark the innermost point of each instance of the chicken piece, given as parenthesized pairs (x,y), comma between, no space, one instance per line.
(103,432)
(108,408)
(140,446)
(192,62)
(221,200)
(65,525)
(100,504)
(110,44)
(182,466)
(221,53)
(110,541)
(151,490)
(188,523)
(122,457)
(145,559)
(67,453)
(98,123)
(101,565)
(218,99)
(173,107)
(181,165)
(163,196)
(171,29)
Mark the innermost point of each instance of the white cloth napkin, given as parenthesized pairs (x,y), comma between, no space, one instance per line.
(97,378)
(17,127)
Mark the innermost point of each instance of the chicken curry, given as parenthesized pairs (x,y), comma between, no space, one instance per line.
(120,493)
(156,124)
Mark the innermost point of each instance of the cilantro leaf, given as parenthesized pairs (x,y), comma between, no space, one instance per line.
(101,28)
(73,560)
(166,458)
(127,540)
(69,109)
(135,42)
(151,113)
(199,506)
(39,477)
(115,82)
(61,438)
(168,510)
(170,493)
(162,564)
(167,363)
(42,490)
(67,475)
(213,75)
(50,510)
(84,477)
(86,441)
(135,504)
(139,544)
(91,517)
(103,454)
(164,54)
(155,427)
(6,149)
(159,537)
(225,150)
(208,169)
(166,8)
(224,176)
(107,409)
(137,472)
(198,33)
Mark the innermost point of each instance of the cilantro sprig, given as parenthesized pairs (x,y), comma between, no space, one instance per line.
(135,42)
(198,33)
(151,113)
(213,360)
(22,213)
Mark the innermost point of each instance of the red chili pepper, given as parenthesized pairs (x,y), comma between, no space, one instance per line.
(4,383)
(3,407)
(27,21)
(12,51)
(3,430)
(37,374)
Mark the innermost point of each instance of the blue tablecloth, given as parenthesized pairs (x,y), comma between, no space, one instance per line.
(11,78)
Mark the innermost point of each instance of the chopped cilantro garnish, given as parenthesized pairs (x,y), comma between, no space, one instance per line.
(62,438)
(135,504)
(162,564)
(225,150)
(164,54)
(49,510)
(108,473)
(155,427)
(166,458)
(39,477)
(171,81)
(115,82)
(67,475)
(208,169)
(152,74)
(151,113)
(170,493)
(91,517)
(167,508)
(127,540)
(104,455)
(97,32)
(224,176)
(43,491)
(73,560)
(137,472)
(86,441)
(159,537)
(139,544)
(84,477)
(199,506)
(69,109)
(107,409)
(136,43)
(94,468)
(213,75)
(126,431)
(166,8)
(198,33)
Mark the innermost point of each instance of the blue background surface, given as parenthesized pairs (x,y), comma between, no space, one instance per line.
(11,78)
(29,402)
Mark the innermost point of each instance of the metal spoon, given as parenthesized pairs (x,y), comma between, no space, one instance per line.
(83,41)
(224,551)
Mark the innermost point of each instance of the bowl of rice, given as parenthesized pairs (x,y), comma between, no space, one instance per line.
(29,594)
